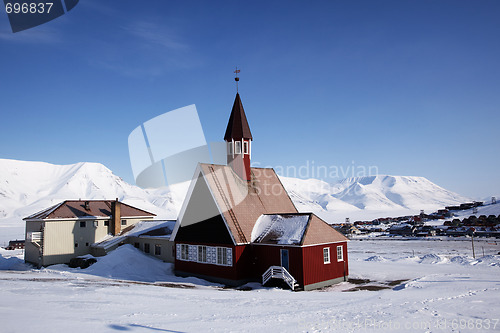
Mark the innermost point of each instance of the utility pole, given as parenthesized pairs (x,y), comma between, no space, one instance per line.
(472,239)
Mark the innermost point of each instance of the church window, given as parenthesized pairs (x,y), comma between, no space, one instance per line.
(245,147)
(237,147)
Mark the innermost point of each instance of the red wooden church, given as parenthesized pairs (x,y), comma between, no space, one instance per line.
(238,224)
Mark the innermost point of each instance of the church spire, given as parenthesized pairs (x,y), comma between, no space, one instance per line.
(237,127)
(238,138)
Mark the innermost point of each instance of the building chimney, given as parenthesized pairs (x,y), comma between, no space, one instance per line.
(116,224)
(87,205)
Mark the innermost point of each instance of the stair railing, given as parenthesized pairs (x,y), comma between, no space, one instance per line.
(279,272)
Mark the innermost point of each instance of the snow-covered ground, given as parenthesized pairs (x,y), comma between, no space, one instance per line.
(395,286)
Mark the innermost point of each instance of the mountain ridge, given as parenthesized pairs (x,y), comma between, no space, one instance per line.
(370,197)
(27,187)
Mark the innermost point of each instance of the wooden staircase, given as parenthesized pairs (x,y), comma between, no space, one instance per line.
(280,272)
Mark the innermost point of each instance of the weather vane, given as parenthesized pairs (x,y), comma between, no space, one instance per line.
(236,78)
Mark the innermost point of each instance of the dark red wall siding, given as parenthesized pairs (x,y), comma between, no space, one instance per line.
(315,270)
(242,261)
(251,261)
(224,272)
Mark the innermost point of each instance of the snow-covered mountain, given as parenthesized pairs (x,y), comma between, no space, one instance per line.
(28,187)
(369,197)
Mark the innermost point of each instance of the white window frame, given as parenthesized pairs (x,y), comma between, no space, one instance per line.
(221,256)
(224,256)
(340,253)
(326,255)
(246,147)
(237,147)
(230,148)
(202,254)
(184,252)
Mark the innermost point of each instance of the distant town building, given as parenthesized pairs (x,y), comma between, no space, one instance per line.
(15,245)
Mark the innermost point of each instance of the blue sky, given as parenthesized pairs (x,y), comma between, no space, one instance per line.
(411,87)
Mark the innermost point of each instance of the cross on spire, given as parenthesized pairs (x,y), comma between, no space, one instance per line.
(236,78)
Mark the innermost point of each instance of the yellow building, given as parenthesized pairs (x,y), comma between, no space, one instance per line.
(68,229)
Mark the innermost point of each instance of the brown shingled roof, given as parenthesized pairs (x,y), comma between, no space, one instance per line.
(264,194)
(320,232)
(242,203)
(237,127)
(76,209)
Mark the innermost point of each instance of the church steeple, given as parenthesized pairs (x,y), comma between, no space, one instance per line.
(237,127)
(239,138)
